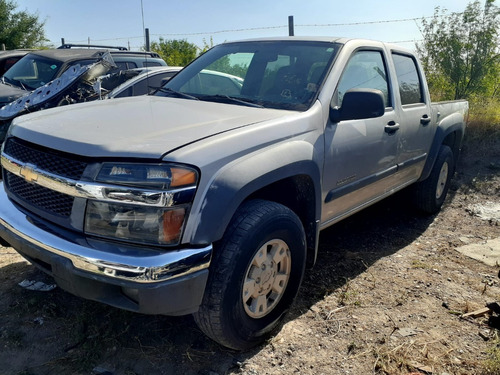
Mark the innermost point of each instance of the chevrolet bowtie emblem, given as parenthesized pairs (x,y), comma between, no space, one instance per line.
(28,173)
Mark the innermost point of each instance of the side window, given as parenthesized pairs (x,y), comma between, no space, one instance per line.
(410,86)
(365,70)
(150,63)
(10,61)
(122,65)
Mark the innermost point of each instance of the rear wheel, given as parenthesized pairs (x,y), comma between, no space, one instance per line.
(255,275)
(431,193)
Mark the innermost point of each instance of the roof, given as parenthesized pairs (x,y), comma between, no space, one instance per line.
(14,52)
(69,54)
(330,39)
(72,54)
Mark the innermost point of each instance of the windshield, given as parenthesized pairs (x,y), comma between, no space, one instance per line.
(270,74)
(32,72)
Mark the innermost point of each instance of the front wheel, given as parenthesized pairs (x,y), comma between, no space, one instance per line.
(255,275)
(431,193)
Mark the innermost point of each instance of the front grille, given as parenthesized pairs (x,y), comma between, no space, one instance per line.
(35,197)
(44,160)
(40,197)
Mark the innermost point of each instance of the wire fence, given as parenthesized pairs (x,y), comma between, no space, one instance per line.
(134,42)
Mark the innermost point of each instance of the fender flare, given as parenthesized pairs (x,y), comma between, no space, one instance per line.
(239,179)
(449,125)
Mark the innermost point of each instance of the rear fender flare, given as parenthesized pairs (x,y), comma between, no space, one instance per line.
(449,125)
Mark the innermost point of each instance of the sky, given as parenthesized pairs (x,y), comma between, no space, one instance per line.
(121,22)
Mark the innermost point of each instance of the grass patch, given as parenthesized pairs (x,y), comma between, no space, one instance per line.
(418,264)
(492,364)
(484,122)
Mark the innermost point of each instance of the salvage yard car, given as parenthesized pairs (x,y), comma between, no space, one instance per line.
(151,79)
(9,58)
(209,201)
(142,81)
(37,68)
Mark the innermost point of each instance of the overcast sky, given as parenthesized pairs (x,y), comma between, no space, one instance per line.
(120,22)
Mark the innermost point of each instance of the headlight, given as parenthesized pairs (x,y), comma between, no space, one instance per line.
(160,176)
(140,222)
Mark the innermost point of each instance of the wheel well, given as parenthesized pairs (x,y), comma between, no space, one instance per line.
(453,140)
(298,194)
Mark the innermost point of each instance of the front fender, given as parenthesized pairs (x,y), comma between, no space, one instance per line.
(241,178)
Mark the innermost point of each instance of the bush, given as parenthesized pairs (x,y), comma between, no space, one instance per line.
(484,121)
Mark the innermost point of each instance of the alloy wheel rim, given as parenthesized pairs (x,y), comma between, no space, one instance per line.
(266,278)
(443,177)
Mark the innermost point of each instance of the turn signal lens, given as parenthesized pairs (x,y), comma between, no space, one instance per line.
(182,177)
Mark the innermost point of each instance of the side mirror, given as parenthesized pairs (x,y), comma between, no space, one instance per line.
(359,104)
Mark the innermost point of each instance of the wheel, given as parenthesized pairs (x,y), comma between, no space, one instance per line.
(254,277)
(431,193)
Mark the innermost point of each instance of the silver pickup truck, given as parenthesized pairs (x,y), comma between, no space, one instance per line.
(208,197)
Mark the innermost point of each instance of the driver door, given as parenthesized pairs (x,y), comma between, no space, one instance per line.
(360,155)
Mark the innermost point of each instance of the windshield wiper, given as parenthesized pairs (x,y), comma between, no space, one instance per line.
(179,94)
(9,82)
(230,99)
(5,82)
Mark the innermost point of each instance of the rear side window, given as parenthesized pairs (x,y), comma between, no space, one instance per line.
(365,70)
(124,65)
(150,63)
(410,85)
(11,61)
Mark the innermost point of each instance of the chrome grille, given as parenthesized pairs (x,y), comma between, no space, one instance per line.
(36,196)
(45,160)
(40,197)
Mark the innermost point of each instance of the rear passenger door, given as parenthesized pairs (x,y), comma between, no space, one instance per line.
(417,127)
(360,155)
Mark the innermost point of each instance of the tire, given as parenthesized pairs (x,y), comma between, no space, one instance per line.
(255,275)
(3,242)
(431,193)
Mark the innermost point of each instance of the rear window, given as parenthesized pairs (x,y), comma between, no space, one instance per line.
(409,82)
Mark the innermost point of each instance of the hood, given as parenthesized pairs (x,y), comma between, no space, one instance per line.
(10,93)
(142,127)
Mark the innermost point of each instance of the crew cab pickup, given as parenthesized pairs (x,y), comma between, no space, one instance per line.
(208,197)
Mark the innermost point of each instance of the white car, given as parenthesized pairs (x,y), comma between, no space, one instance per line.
(144,81)
(148,80)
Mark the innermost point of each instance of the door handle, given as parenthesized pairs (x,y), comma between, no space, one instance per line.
(425,120)
(391,127)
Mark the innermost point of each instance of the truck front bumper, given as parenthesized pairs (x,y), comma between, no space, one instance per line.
(151,281)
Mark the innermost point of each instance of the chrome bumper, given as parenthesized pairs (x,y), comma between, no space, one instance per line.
(111,260)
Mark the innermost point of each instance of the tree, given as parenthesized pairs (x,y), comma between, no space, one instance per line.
(20,29)
(175,52)
(460,51)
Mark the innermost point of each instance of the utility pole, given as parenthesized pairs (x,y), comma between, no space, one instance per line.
(147,39)
(290,26)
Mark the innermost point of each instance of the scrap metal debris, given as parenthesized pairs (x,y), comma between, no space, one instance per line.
(37,285)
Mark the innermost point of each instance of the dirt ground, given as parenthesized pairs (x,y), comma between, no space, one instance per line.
(386,297)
